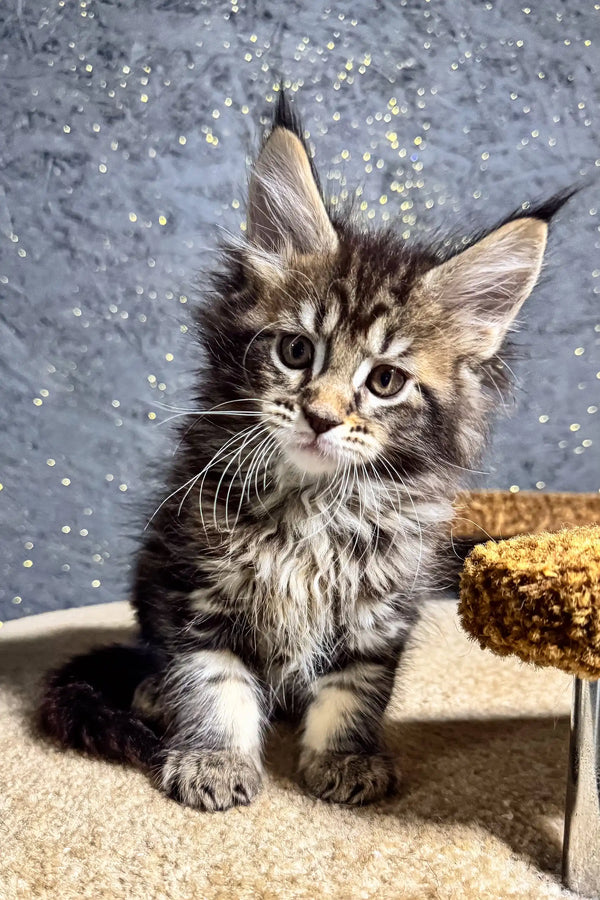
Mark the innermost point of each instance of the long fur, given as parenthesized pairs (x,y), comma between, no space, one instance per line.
(284,564)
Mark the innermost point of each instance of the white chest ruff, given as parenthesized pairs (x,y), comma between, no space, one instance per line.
(303,584)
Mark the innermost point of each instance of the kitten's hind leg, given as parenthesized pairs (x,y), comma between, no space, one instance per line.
(149,701)
(212,755)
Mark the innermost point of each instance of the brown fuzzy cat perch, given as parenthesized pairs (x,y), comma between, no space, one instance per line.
(538,597)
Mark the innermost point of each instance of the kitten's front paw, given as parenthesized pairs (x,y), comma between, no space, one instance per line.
(347,777)
(210,780)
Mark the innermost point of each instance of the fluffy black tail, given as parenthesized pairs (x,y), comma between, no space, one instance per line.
(86,705)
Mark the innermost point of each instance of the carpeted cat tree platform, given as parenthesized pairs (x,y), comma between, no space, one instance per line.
(481,742)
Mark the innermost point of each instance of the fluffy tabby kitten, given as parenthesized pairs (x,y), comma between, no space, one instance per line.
(346,386)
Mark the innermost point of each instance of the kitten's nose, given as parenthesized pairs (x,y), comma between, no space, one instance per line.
(320,420)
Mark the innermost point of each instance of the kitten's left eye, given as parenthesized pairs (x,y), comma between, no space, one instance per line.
(386,381)
(296,351)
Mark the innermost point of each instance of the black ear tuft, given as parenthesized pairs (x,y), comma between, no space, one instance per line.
(286,210)
(285,116)
(546,209)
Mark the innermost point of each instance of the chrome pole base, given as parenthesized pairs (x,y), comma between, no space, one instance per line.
(581,847)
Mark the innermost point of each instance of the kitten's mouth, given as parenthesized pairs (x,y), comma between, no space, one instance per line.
(313,454)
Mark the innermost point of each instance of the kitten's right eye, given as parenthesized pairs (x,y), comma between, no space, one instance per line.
(296,351)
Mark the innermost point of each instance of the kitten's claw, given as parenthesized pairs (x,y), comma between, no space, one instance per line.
(210,780)
(349,778)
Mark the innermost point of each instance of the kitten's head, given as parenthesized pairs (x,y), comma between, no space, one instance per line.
(358,348)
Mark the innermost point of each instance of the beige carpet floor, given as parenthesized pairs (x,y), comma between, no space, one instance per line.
(482,743)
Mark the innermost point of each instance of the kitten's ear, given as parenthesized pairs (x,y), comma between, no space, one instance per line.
(285,208)
(483,288)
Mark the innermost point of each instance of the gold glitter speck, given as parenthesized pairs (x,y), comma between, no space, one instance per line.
(27,563)
(514,489)
(575,426)
(66,481)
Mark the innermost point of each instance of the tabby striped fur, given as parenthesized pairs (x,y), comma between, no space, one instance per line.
(305,513)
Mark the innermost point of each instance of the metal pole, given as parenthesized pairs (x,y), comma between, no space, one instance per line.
(581,847)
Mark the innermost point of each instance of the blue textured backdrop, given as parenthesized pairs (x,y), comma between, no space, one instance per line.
(124,133)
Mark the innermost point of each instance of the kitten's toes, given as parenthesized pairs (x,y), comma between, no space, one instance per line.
(349,778)
(210,780)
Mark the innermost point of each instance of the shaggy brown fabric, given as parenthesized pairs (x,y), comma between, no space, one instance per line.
(500,514)
(481,743)
(538,597)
